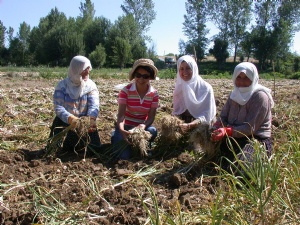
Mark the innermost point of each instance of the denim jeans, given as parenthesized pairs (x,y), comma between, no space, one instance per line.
(116,137)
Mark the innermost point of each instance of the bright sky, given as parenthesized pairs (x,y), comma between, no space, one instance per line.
(165,30)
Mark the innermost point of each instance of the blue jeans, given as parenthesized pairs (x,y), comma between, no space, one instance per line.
(116,137)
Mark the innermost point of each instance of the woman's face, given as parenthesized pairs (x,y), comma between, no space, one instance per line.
(85,73)
(185,71)
(141,76)
(242,80)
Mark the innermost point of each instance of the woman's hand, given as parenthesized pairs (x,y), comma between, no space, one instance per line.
(141,126)
(185,127)
(125,135)
(219,134)
(93,125)
(73,121)
(218,124)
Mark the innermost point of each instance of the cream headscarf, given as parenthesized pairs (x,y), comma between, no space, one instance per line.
(74,84)
(243,94)
(194,95)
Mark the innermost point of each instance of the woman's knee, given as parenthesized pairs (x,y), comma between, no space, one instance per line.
(153,132)
(116,136)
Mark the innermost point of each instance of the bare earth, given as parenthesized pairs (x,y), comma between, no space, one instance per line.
(90,189)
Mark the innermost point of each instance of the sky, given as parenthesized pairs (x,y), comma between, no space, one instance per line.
(165,30)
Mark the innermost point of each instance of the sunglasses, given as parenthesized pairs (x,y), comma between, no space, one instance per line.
(144,76)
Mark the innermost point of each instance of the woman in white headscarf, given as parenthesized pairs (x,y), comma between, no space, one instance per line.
(193,99)
(76,96)
(246,114)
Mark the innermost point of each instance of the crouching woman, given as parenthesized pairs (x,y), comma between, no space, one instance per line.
(74,97)
(138,102)
(246,115)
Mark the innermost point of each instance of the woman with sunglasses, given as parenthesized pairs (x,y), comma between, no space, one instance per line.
(138,102)
(193,98)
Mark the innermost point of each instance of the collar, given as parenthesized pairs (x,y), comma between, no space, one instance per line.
(133,88)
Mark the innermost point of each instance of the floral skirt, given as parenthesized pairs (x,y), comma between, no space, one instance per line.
(242,149)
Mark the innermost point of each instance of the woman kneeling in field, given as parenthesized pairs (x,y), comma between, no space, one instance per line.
(246,115)
(76,97)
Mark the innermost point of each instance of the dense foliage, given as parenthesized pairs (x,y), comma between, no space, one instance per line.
(262,30)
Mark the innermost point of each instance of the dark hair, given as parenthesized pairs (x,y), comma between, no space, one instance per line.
(148,69)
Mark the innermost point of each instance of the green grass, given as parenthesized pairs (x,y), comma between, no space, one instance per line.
(207,69)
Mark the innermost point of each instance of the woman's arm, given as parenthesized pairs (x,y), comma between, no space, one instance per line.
(58,101)
(121,116)
(120,121)
(151,117)
(223,119)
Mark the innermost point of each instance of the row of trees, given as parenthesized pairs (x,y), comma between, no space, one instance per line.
(57,38)
(264,29)
(261,28)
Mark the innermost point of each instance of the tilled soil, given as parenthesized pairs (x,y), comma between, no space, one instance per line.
(77,189)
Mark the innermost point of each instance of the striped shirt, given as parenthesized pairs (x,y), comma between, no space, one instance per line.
(86,105)
(137,109)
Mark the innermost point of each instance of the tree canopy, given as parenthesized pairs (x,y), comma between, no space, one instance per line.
(261,29)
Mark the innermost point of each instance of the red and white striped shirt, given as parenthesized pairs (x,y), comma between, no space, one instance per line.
(137,109)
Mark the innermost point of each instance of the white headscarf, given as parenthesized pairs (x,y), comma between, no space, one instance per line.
(241,95)
(194,95)
(74,84)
